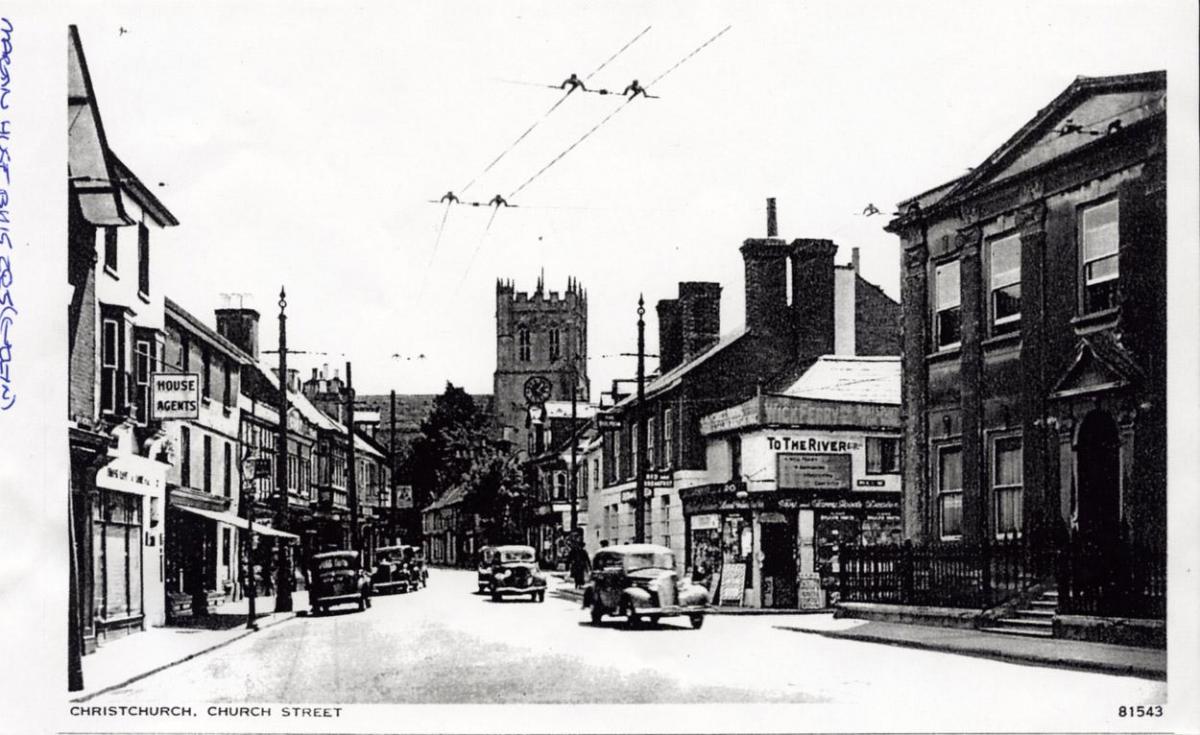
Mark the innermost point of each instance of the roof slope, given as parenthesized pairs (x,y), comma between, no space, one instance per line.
(849,379)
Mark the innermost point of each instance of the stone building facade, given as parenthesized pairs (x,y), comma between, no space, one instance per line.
(1034,396)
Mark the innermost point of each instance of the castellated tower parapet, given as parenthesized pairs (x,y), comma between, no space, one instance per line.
(539,333)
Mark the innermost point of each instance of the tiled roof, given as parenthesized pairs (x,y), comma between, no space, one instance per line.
(311,413)
(849,379)
(672,377)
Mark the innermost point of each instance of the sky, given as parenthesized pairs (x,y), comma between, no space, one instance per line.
(300,145)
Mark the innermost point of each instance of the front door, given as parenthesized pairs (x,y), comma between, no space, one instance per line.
(1099,473)
(779,562)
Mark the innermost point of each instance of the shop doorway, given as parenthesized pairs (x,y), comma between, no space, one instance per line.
(1099,474)
(779,560)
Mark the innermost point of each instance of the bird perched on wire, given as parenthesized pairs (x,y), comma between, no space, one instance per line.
(634,89)
(449,197)
(498,201)
(871,210)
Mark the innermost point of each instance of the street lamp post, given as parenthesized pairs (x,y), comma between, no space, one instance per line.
(249,468)
(351,477)
(283,582)
(639,502)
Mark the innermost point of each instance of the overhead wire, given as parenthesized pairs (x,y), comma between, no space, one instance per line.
(479,246)
(613,114)
(437,241)
(547,114)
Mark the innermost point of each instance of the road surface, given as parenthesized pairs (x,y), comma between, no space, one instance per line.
(446,644)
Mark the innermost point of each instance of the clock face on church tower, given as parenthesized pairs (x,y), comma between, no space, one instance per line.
(537,389)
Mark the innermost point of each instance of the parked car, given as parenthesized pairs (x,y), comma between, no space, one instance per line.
(338,579)
(484,569)
(391,570)
(639,581)
(515,572)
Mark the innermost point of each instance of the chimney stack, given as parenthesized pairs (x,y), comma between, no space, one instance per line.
(670,335)
(772,229)
(854,259)
(699,316)
(813,288)
(239,326)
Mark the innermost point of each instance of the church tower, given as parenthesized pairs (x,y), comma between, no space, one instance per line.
(541,341)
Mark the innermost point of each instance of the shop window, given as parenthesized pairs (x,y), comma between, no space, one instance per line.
(950,493)
(1007,485)
(1004,274)
(143,259)
(1100,235)
(185,456)
(523,343)
(947,298)
(118,536)
(883,455)
(110,248)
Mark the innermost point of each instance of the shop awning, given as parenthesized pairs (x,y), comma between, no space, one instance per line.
(236,521)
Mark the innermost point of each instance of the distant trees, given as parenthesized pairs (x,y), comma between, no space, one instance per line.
(455,448)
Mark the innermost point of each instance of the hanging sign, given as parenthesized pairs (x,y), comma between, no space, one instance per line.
(175,395)
(404,496)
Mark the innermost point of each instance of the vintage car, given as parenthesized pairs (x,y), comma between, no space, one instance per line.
(515,572)
(338,579)
(484,570)
(639,581)
(392,571)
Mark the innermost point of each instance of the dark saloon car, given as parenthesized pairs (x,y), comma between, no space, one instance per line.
(338,579)
(483,572)
(639,581)
(515,572)
(392,571)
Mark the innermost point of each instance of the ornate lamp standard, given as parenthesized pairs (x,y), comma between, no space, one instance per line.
(283,577)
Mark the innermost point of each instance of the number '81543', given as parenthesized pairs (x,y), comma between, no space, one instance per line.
(1141,710)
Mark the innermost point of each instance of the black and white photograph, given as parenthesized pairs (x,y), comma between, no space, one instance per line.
(607,367)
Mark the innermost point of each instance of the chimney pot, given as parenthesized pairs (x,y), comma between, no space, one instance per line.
(854,258)
(772,229)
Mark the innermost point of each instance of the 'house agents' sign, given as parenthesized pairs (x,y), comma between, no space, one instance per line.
(175,395)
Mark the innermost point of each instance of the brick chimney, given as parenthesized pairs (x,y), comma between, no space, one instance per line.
(766,262)
(670,335)
(699,316)
(239,326)
(813,296)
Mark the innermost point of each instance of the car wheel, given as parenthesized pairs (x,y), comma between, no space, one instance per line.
(632,620)
(654,619)
(362,604)
(697,621)
(597,614)
(541,596)
(495,597)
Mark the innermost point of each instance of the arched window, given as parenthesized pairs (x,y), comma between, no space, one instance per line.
(555,344)
(523,343)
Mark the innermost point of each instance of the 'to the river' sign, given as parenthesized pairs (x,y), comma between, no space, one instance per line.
(175,395)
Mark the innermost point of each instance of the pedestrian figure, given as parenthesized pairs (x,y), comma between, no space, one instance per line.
(579,564)
(636,89)
(573,82)
(449,197)
(498,201)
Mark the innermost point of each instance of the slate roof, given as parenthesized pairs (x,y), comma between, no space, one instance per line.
(849,379)
(674,376)
(453,496)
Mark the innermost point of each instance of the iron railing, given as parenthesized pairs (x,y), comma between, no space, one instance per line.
(1113,579)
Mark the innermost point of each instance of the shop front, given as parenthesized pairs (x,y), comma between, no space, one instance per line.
(779,549)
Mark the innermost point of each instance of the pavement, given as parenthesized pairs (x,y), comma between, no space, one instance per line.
(1082,655)
(449,644)
(121,662)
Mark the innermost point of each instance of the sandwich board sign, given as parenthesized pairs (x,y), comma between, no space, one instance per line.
(175,395)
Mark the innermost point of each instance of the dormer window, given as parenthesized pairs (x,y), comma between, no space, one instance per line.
(1100,236)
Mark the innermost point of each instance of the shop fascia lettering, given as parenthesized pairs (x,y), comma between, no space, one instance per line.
(810,444)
